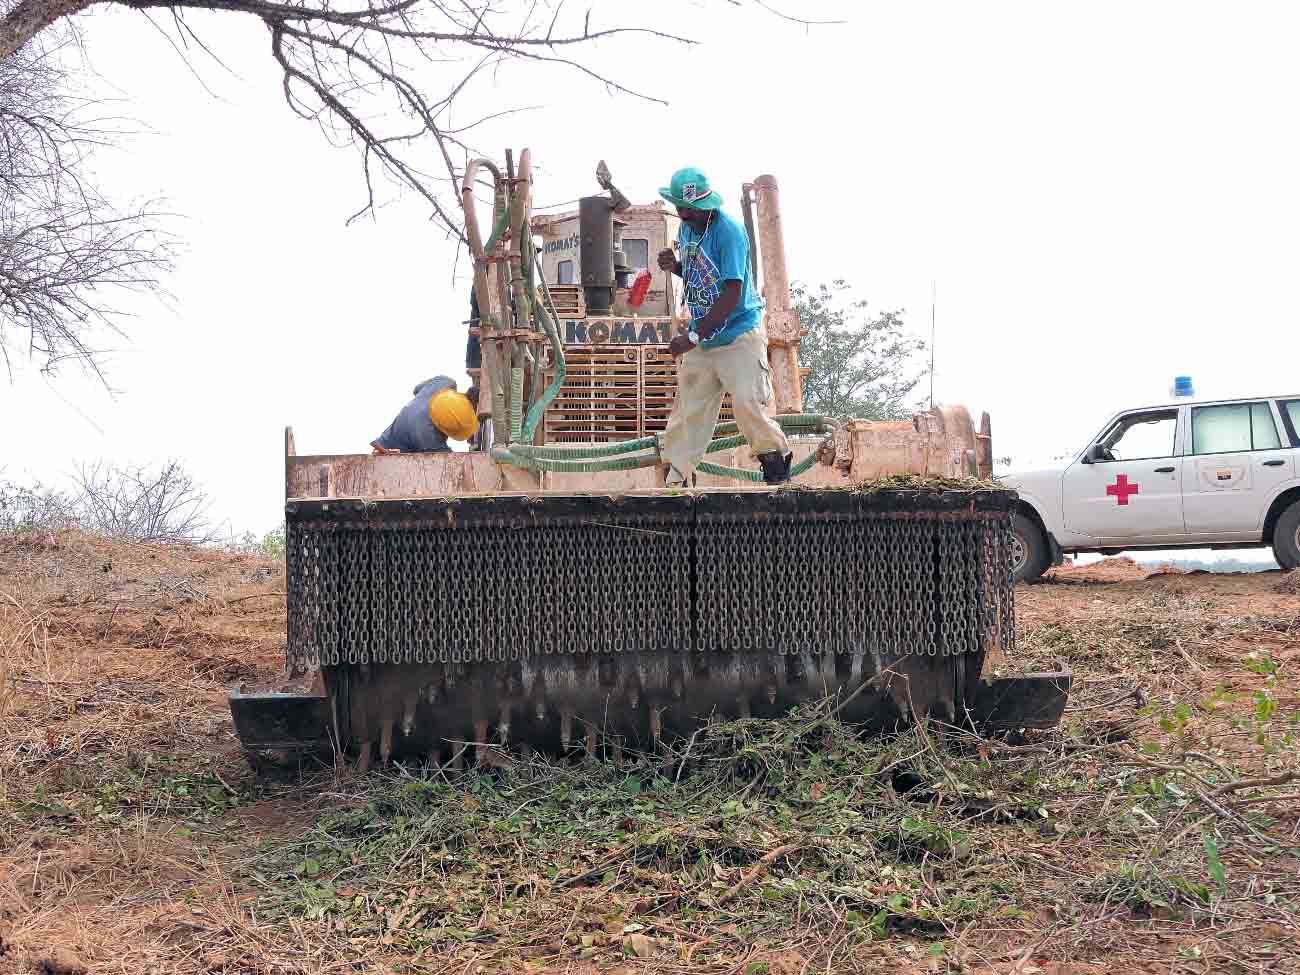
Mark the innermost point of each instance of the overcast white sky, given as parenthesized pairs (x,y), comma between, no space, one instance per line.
(1105,192)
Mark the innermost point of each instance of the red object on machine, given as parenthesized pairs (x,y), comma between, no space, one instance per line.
(636,294)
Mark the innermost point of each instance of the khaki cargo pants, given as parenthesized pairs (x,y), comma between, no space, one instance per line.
(703,375)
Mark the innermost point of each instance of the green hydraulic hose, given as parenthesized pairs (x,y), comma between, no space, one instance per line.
(589,452)
(538,409)
(516,394)
(797,421)
(594,451)
(726,443)
(509,455)
(500,362)
(516,456)
(498,230)
(534,353)
(583,452)
(747,475)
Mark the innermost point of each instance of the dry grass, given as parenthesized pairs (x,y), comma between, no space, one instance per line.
(114,748)
(1290,583)
(1155,831)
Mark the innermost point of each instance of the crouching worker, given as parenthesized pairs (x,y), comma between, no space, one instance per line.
(437,413)
(725,348)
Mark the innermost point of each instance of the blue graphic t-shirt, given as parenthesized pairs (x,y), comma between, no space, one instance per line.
(721,254)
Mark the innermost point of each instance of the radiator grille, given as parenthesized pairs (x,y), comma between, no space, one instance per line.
(615,392)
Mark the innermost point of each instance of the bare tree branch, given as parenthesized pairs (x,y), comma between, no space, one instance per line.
(337,60)
(359,69)
(65,251)
(794,20)
(27,18)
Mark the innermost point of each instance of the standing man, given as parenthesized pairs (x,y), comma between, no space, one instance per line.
(724,350)
(436,413)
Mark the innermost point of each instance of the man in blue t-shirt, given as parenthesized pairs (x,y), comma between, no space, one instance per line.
(724,349)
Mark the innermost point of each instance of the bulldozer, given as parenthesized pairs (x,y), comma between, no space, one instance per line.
(546,591)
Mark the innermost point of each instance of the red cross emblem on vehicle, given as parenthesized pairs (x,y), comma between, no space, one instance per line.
(1121,489)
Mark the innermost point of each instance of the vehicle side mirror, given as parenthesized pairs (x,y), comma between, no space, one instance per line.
(1094,454)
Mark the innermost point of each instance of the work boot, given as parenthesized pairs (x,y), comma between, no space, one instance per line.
(776,469)
(674,478)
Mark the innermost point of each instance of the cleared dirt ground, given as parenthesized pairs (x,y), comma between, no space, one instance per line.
(1157,831)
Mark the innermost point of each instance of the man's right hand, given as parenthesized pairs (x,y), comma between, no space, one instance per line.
(668,261)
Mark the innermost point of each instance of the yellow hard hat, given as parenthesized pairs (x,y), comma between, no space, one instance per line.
(453,414)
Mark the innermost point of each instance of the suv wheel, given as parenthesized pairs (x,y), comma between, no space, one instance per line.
(1029,555)
(1286,538)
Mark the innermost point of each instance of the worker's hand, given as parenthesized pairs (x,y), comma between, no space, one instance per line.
(680,345)
(668,260)
(384,450)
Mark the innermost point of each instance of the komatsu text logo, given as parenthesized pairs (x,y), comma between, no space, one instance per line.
(562,244)
(619,331)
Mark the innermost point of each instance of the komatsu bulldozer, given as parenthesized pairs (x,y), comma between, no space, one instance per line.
(545,590)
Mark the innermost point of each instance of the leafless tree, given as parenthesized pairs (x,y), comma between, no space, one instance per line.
(141,504)
(383,75)
(33,507)
(67,254)
(380,76)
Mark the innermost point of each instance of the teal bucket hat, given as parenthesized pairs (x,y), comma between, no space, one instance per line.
(690,188)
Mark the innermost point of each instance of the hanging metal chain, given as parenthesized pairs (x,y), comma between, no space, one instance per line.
(500,579)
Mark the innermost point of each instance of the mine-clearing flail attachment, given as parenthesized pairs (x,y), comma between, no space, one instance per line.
(545,590)
(561,622)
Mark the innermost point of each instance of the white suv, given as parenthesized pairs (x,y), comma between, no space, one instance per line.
(1220,474)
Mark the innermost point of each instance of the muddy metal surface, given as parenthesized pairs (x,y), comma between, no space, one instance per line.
(557,703)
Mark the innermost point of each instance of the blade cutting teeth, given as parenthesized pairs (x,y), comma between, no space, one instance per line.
(385,742)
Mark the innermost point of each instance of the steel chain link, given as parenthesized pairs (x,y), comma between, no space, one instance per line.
(427,591)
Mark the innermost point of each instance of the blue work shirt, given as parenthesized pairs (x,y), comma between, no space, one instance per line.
(413,432)
(709,260)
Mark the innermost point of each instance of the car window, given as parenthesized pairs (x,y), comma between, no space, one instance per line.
(1291,410)
(637,252)
(1142,436)
(1233,428)
(1263,428)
